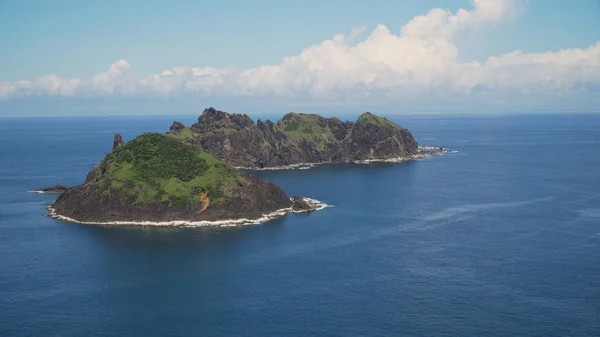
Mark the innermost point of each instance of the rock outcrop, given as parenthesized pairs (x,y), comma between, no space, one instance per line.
(118,141)
(295,139)
(56,189)
(305,205)
(177,127)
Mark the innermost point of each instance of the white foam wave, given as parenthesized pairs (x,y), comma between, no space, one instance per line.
(314,203)
(589,213)
(299,166)
(306,166)
(44,192)
(434,220)
(453,211)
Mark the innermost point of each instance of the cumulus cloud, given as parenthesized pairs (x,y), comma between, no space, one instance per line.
(420,59)
(54,85)
(207,80)
(49,84)
(112,79)
(442,24)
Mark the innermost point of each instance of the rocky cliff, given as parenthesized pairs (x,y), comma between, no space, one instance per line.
(296,139)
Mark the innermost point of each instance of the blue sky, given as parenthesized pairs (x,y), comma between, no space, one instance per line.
(81,39)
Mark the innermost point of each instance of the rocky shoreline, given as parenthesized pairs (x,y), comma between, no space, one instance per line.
(430,152)
(310,205)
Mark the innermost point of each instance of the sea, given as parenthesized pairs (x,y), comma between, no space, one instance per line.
(501,237)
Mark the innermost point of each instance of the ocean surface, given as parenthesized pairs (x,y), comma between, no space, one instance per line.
(499,238)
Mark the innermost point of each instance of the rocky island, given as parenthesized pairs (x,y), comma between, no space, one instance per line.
(158,180)
(191,176)
(298,139)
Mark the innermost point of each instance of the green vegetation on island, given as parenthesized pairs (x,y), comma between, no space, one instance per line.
(188,175)
(185,134)
(369,118)
(156,167)
(310,127)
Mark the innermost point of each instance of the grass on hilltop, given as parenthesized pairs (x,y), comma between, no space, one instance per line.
(184,135)
(307,126)
(368,117)
(156,167)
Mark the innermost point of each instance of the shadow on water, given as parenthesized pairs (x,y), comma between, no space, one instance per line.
(123,238)
(128,257)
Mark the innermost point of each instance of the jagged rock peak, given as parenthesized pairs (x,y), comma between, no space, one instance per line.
(118,141)
(213,113)
(267,124)
(214,116)
(176,127)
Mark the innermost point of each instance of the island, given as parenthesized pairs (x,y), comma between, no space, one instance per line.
(155,179)
(299,140)
(198,175)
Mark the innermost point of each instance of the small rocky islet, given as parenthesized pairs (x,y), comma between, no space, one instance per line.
(56,189)
(190,176)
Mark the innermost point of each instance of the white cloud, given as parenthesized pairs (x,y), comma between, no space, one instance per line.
(442,24)
(52,84)
(112,79)
(421,59)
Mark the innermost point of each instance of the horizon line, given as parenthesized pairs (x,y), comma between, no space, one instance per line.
(413,113)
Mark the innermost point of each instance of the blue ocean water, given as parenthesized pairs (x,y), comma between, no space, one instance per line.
(499,238)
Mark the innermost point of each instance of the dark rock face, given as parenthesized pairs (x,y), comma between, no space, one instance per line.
(235,139)
(379,141)
(51,190)
(300,205)
(177,127)
(92,174)
(298,138)
(118,141)
(88,203)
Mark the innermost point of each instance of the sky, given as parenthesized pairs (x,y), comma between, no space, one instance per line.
(69,57)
